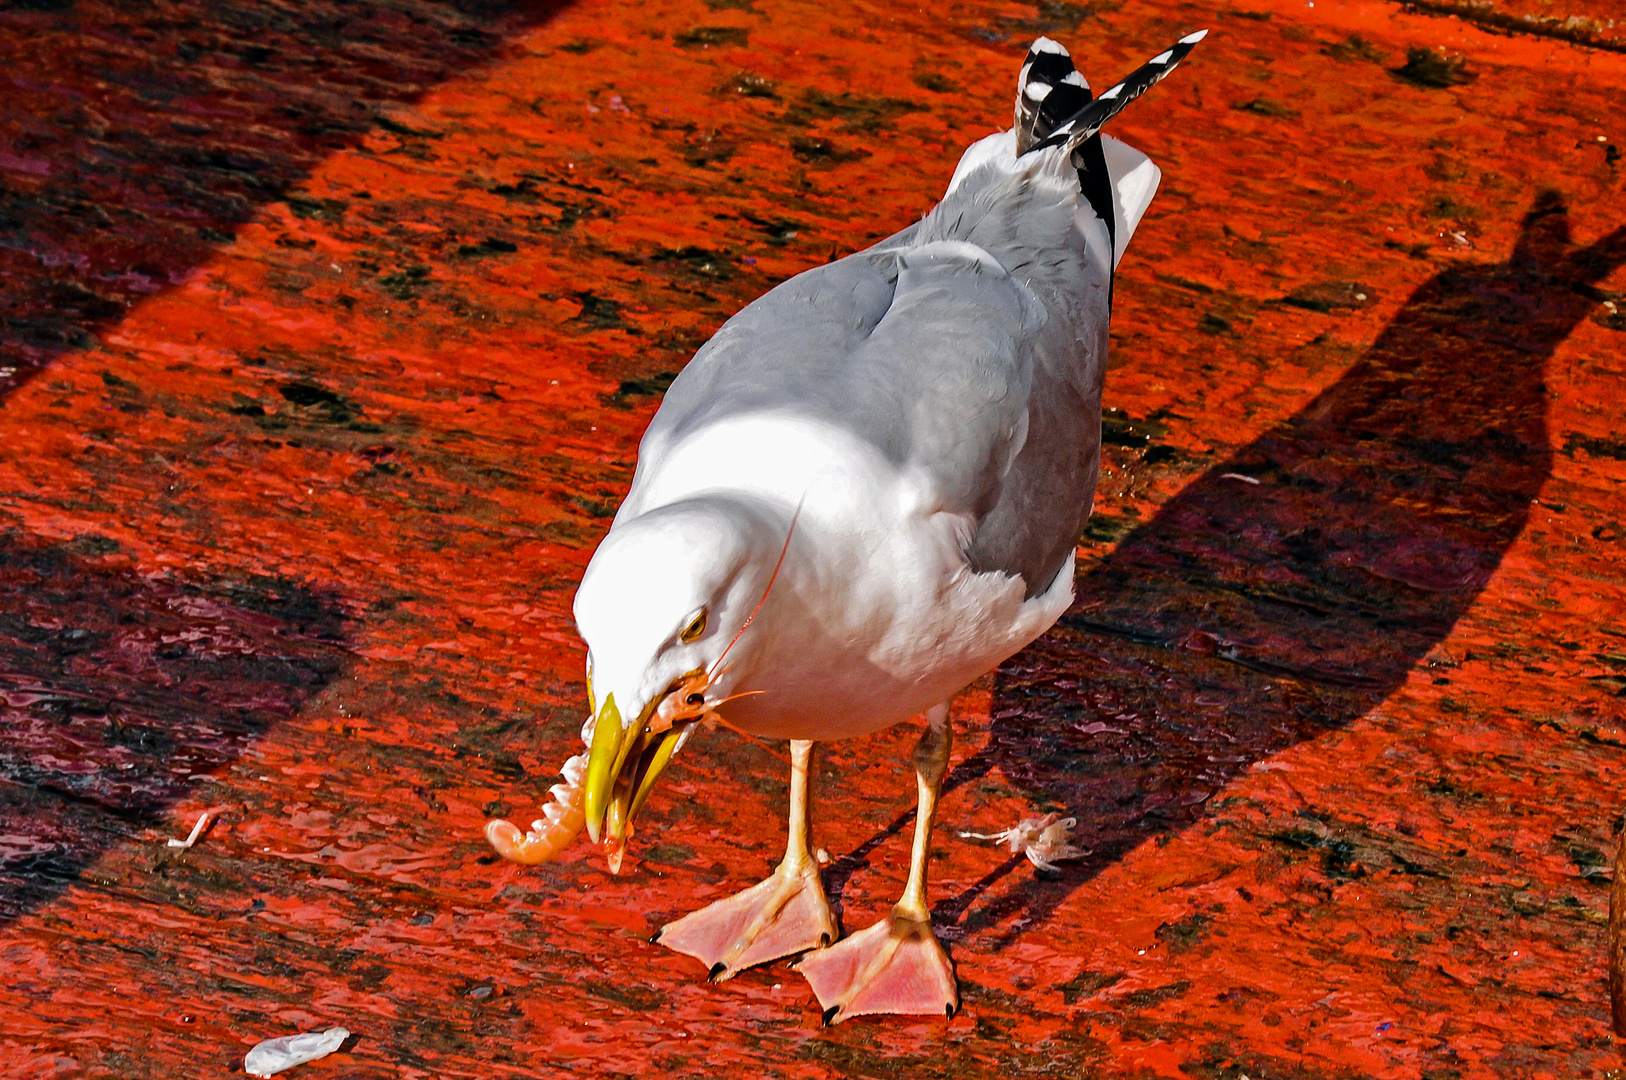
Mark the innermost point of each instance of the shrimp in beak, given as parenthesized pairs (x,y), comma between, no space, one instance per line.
(625,760)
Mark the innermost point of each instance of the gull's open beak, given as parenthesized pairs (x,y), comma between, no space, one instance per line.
(623,764)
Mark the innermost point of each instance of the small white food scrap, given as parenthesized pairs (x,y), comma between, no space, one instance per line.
(1045,841)
(274,1055)
(197,831)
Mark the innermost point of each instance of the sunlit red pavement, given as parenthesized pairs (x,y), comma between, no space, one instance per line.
(331,333)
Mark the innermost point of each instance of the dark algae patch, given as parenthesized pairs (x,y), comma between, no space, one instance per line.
(1434,69)
(1330,296)
(1355,47)
(748,85)
(855,112)
(406,283)
(817,151)
(1120,429)
(319,402)
(491,245)
(1595,446)
(1087,984)
(703,37)
(1262,106)
(650,386)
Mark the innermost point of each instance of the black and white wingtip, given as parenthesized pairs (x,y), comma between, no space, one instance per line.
(1093,115)
(1048,91)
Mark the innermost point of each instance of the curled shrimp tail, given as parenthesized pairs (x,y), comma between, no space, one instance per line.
(561,822)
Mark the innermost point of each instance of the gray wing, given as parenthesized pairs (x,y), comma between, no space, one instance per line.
(965,374)
(1045,496)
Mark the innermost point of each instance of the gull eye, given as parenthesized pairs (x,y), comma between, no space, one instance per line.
(695,628)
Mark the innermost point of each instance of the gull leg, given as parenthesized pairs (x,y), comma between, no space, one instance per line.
(787,913)
(896,966)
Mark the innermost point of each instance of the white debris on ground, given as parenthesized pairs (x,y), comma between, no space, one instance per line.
(274,1055)
(1045,841)
(197,831)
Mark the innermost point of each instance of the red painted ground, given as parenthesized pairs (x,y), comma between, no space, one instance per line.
(330,334)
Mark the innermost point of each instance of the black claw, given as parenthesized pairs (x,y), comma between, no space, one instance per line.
(718,970)
(655,938)
(949,1010)
(824,941)
(830,1015)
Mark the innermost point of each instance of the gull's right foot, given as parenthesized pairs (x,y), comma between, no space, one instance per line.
(781,916)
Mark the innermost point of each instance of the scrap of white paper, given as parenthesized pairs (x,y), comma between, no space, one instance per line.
(274,1055)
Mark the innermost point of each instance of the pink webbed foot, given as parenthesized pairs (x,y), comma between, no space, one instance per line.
(895,967)
(781,916)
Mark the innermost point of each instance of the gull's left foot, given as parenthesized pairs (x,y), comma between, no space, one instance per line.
(895,967)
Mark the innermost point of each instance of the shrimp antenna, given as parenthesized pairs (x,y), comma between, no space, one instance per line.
(733,697)
(771,579)
(750,738)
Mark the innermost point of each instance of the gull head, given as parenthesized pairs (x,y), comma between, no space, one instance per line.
(661,608)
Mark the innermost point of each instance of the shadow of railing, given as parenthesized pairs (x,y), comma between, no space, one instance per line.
(1247,617)
(135,138)
(120,693)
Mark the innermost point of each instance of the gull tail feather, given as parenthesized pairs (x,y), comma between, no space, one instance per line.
(1077,128)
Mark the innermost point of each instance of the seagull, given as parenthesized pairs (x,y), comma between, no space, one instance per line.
(864,492)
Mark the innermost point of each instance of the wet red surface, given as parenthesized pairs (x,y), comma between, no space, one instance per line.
(301,462)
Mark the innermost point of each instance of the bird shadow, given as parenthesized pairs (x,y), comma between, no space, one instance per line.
(136,138)
(121,693)
(1290,589)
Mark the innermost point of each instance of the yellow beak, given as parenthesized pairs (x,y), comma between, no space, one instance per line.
(623,764)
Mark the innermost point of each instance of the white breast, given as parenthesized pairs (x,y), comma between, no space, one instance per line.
(876,615)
